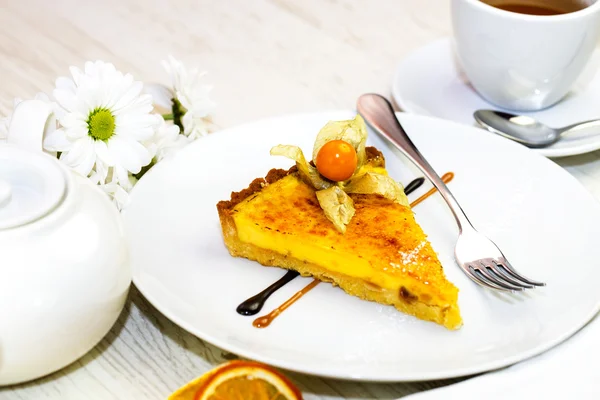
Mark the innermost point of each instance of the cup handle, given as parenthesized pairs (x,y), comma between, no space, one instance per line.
(28,124)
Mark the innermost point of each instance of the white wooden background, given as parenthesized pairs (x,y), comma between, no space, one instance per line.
(265,58)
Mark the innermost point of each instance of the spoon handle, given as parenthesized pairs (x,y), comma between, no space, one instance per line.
(591,124)
(378,112)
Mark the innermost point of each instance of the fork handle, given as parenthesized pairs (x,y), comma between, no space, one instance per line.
(378,112)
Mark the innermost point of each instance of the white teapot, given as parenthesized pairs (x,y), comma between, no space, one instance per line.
(64,272)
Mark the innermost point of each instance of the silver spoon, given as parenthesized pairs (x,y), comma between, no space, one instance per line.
(527,130)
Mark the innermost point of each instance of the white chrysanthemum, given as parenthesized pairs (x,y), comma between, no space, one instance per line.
(192,106)
(105,124)
(5,122)
(167,140)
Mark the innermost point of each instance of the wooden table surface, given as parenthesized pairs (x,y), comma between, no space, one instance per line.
(265,58)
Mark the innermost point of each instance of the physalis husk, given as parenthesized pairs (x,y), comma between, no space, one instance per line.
(333,196)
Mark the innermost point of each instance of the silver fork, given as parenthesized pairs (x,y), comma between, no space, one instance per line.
(475,254)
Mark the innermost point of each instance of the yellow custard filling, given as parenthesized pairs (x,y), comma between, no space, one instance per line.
(383,245)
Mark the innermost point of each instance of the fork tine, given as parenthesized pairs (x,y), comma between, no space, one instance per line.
(482,280)
(506,278)
(501,270)
(503,262)
(483,270)
(494,269)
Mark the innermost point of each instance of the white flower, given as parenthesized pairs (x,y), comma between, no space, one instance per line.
(193,106)
(105,124)
(117,194)
(5,122)
(167,140)
(117,187)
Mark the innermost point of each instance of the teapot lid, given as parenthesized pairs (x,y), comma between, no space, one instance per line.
(32,185)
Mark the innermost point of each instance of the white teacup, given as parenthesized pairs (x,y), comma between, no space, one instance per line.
(520,61)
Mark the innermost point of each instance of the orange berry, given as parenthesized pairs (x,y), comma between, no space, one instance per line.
(337,160)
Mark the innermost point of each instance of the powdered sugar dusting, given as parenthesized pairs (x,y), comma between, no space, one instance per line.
(411,256)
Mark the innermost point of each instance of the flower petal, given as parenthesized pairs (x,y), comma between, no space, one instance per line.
(161,95)
(80,150)
(81,157)
(129,154)
(121,176)
(65,98)
(66,84)
(117,193)
(73,120)
(86,165)
(99,174)
(128,97)
(102,152)
(57,141)
(137,126)
(141,104)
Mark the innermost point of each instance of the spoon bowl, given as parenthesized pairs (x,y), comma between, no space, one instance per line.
(526,130)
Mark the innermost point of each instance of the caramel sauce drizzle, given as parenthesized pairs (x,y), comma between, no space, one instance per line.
(447,177)
(264,321)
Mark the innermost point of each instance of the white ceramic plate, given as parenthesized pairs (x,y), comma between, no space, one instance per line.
(430,82)
(542,218)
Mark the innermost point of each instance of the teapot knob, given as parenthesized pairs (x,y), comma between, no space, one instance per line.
(28,124)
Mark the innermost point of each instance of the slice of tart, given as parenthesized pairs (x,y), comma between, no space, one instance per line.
(359,234)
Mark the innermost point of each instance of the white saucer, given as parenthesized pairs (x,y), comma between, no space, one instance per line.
(430,82)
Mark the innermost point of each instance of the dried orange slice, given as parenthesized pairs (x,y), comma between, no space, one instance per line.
(239,380)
